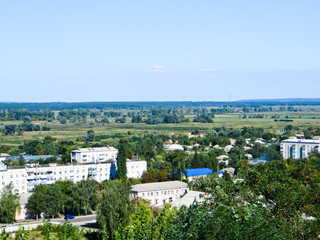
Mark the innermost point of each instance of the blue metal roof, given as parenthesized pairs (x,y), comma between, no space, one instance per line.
(191,172)
(198,172)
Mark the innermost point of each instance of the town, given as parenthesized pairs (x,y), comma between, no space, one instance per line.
(164,170)
(143,120)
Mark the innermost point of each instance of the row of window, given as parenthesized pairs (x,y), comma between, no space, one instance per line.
(17,182)
(55,173)
(100,156)
(164,200)
(150,194)
(11,176)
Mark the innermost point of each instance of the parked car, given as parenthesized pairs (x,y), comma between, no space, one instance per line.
(69,217)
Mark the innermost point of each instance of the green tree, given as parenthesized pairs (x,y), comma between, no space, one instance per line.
(226,176)
(105,120)
(307,134)
(177,158)
(149,223)
(149,176)
(9,129)
(37,203)
(21,161)
(22,234)
(219,221)
(47,228)
(288,128)
(49,146)
(66,153)
(39,150)
(4,235)
(115,206)
(9,203)
(122,161)
(267,136)
(69,232)
(85,196)
(141,222)
(61,198)
(90,136)
(164,222)
(63,121)
(195,163)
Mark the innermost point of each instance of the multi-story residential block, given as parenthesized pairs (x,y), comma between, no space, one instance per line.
(24,179)
(159,193)
(94,155)
(17,176)
(299,148)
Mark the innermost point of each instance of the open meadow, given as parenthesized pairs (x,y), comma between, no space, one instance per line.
(271,121)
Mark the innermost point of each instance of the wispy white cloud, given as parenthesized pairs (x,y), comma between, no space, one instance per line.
(208,70)
(157,68)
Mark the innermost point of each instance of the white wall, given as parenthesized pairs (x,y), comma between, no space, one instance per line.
(299,148)
(94,155)
(160,197)
(26,178)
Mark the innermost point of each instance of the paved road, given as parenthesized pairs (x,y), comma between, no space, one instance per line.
(77,221)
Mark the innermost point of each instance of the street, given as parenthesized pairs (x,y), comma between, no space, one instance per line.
(82,221)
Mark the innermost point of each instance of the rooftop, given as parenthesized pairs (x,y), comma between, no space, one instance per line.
(144,187)
(4,155)
(296,140)
(95,149)
(188,199)
(222,157)
(198,172)
(29,158)
(229,170)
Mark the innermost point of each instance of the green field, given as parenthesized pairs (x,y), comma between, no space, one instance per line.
(70,131)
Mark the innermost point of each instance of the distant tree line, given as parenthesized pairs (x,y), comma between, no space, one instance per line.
(18,129)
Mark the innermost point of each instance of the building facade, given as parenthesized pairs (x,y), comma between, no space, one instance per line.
(94,155)
(24,179)
(159,193)
(298,148)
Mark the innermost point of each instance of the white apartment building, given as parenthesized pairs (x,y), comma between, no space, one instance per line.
(17,176)
(159,193)
(298,148)
(24,179)
(94,155)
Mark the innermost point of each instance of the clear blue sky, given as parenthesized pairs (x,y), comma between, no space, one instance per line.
(74,50)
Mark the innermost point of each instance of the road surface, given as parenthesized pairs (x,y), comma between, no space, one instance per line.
(80,221)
